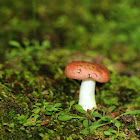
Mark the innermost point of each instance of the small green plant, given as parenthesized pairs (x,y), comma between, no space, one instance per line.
(34,118)
(65,116)
(28,49)
(96,119)
(113,133)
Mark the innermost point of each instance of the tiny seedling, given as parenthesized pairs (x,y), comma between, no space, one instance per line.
(95,119)
(34,118)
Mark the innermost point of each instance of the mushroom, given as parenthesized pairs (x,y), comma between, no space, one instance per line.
(89,73)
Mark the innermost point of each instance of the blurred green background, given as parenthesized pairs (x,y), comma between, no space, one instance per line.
(99,25)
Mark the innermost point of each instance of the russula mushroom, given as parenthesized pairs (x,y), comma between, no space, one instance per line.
(89,73)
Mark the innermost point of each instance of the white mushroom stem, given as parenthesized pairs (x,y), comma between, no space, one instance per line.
(87,94)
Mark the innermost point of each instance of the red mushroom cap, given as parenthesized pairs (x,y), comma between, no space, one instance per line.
(84,70)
